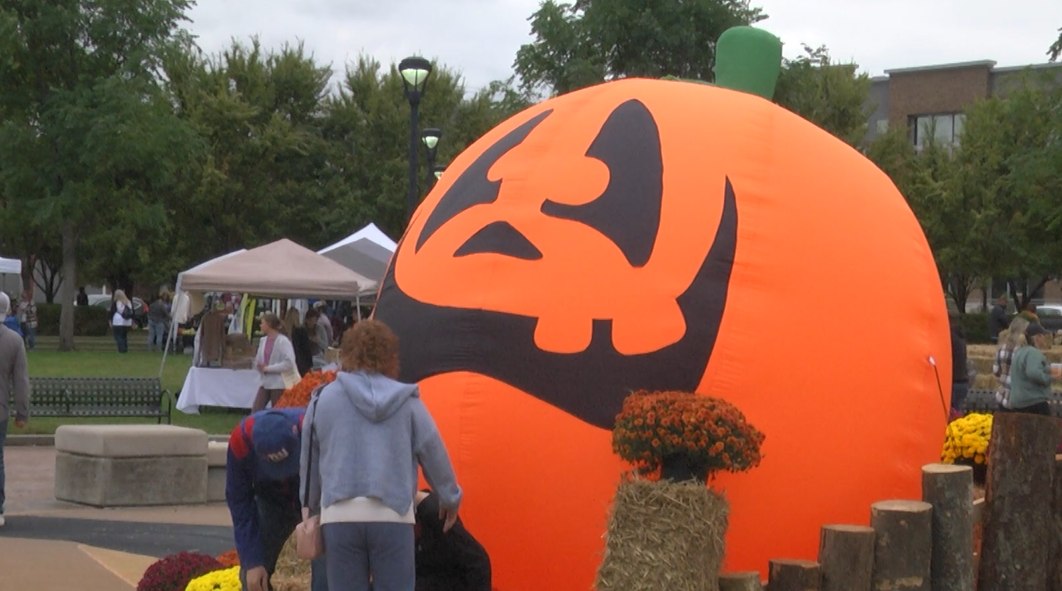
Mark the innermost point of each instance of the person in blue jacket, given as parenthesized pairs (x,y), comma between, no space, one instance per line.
(262,491)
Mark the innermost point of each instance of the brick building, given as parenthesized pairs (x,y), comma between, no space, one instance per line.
(932,100)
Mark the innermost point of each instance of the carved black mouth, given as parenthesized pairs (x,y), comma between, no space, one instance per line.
(591,384)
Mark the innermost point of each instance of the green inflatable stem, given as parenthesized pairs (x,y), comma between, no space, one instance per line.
(748,59)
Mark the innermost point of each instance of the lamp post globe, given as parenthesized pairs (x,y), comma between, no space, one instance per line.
(430,138)
(437,171)
(414,72)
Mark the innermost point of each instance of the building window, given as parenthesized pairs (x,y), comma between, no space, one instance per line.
(883,126)
(946,129)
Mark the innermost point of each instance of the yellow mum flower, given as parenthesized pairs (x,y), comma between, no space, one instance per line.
(219,580)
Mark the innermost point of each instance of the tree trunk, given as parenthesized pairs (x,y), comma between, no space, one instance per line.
(1054,575)
(1018,500)
(949,489)
(846,553)
(743,581)
(793,575)
(27,273)
(68,289)
(903,546)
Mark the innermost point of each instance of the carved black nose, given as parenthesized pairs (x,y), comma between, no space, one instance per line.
(500,238)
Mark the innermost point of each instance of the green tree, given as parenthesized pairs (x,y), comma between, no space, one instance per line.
(1056,48)
(591,41)
(367,122)
(88,140)
(831,95)
(1012,160)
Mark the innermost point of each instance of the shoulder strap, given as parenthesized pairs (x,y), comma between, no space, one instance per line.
(315,397)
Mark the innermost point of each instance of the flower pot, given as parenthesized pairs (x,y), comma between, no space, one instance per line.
(680,468)
(664,535)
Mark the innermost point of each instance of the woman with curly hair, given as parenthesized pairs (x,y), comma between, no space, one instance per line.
(363,438)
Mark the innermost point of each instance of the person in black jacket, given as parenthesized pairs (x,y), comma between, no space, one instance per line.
(960,380)
(997,319)
(451,560)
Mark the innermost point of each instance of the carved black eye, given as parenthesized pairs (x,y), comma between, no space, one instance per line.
(472,187)
(628,212)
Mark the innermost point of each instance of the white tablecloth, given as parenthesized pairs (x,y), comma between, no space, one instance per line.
(213,386)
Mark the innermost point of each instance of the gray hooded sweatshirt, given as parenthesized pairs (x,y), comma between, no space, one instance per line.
(370,433)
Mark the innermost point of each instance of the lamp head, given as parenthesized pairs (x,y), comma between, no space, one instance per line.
(415,72)
(431,137)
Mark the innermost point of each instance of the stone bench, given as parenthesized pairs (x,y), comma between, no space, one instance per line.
(130,465)
(217,456)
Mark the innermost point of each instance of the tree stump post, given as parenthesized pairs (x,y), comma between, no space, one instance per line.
(1054,574)
(903,545)
(846,557)
(793,575)
(949,489)
(743,581)
(1018,503)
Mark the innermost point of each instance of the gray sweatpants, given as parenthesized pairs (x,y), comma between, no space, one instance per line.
(356,550)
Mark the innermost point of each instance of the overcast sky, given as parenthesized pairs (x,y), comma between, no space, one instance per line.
(480,37)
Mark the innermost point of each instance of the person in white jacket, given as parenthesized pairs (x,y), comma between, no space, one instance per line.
(275,357)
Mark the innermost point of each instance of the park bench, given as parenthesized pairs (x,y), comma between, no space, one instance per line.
(100,397)
(984,401)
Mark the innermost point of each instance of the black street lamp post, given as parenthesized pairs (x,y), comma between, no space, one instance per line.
(431,137)
(415,72)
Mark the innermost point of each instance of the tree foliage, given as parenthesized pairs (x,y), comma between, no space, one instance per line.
(87,139)
(590,41)
(832,95)
(991,207)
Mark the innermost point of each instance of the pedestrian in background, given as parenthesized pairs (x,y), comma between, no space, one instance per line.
(14,386)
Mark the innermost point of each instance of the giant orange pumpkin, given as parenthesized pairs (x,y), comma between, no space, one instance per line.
(667,235)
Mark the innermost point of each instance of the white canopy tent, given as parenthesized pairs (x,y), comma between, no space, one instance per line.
(10,267)
(366,252)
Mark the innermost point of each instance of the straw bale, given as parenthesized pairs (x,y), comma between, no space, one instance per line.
(291,574)
(664,536)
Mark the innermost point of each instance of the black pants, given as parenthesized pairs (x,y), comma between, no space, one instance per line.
(276,521)
(121,338)
(1040,408)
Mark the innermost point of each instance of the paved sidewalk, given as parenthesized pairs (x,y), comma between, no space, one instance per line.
(52,545)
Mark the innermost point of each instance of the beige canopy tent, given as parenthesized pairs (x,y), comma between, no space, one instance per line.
(281,269)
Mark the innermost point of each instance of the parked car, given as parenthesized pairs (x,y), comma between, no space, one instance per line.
(139,308)
(1050,316)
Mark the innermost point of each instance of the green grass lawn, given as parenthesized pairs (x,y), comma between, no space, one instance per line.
(94,360)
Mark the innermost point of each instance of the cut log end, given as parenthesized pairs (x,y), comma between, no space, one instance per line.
(946,469)
(901,506)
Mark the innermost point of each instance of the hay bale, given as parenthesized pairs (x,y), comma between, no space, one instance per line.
(291,574)
(664,536)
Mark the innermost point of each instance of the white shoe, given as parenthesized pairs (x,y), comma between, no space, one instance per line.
(2,520)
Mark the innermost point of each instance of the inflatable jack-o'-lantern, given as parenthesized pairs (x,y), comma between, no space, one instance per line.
(667,236)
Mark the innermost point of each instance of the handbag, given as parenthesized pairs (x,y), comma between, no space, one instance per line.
(309,543)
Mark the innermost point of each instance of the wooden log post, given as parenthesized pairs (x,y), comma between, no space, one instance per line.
(743,581)
(1054,563)
(949,489)
(793,575)
(846,558)
(1016,543)
(903,545)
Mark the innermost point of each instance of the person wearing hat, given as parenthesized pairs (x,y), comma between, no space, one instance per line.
(1030,374)
(261,489)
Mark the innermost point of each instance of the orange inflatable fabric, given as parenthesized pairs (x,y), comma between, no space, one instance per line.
(668,236)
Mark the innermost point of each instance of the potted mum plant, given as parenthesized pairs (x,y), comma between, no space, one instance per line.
(966,444)
(668,532)
(685,436)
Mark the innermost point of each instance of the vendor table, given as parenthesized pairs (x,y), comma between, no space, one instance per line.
(212,386)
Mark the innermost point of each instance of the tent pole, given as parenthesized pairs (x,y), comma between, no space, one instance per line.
(357,299)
